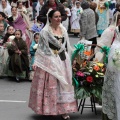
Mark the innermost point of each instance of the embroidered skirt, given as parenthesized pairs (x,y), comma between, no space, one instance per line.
(44,95)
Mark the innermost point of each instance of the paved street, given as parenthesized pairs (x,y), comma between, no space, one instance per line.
(14,101)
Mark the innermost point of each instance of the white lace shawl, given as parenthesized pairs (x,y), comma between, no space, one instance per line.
(46,59)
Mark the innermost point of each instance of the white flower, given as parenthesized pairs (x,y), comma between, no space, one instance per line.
(9,43)
(35,46)
(11,37)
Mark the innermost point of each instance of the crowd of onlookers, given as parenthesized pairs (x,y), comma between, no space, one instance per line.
(22,20)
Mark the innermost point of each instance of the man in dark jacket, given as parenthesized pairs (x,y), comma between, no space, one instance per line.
(54,5)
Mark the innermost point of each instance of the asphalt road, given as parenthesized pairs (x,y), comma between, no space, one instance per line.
(14,101)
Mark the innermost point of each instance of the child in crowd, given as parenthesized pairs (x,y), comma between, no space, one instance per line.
(2,33)
(10,32)
(33,48)
(18,58)
(2,20)
(37,26)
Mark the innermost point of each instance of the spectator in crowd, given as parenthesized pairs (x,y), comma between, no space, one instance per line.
(87,24)
(37,26)
(20,21)
(93,6)
(34,4)
(2,33)
(117,9)
(103,12)
(5,7)
(39,6)
(112,7)
(3,52)
(75,18)
(18,63)
(10,32)
(53,72)
(33,48)
(2,20)
(21,8)
(25,2)
(66,22)
(53,4)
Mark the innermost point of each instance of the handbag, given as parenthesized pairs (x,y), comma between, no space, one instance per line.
(62,55)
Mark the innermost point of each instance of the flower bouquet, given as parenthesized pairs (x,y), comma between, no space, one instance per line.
(88,76)
(10,44)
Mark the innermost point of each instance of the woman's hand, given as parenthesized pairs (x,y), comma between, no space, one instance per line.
(17,51)
(20,52)
(34,67)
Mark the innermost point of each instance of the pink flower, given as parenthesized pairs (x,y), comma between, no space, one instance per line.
(80,74)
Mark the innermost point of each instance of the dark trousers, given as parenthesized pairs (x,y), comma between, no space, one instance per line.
(94,41)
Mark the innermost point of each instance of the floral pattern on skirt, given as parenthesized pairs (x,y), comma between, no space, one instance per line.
(43,95)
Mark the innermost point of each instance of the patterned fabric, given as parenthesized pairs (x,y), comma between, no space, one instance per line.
(50,62)
(87,24)
(19,23)
(108,100)
(111,86)
(32,53)
(3,60)
(103,20)
(45,95)
(74,20)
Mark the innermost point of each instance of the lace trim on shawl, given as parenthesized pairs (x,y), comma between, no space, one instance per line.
(15,17)
(108,99)
(66,97)
(51,31)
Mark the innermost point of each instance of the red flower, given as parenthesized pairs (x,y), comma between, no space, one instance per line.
(89,79)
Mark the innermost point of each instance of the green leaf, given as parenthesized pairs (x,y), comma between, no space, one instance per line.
(82,93)
(97,92)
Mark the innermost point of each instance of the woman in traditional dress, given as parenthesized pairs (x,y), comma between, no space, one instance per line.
(19,21)
(5,7)
(10,32)
(18,62)
(75,18)
(111,86)
(21,8)
(103,12)
(66,22)
(52,92)
(4,52)
(107,37)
